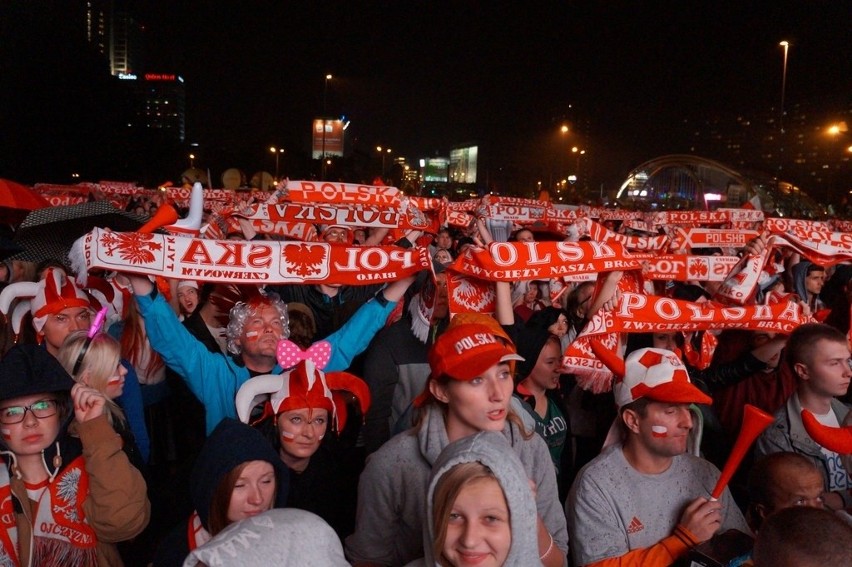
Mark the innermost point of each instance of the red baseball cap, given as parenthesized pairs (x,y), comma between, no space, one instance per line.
(464,352)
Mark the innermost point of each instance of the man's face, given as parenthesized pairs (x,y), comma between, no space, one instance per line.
(261,332)
(336,235)
(664,429)
(525,236)
(60,325)
(814,281)
(795,486)
(444,240)
(828,373)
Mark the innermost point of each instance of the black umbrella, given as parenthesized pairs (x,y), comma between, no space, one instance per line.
(49,233)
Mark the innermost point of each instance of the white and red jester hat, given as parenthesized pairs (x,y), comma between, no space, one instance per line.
(304,386)
(53,293)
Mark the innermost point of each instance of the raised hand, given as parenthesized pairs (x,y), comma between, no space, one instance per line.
(88,402)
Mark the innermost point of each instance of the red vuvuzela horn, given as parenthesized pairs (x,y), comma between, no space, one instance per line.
(837,439)
(755,421)
(164,216)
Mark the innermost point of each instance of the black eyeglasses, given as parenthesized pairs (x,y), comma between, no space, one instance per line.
(16,414)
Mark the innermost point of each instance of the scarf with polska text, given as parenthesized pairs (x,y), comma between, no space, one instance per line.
(61,535)
(408,217)
(638,313)
(514,261)
(236,261)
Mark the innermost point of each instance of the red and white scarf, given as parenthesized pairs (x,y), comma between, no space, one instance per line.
(236,261)
(61,534)
(196,535)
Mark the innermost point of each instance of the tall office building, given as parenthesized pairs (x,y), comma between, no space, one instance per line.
(157,99)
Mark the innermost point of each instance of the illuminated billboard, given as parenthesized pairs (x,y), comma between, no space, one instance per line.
(463,164)
(436,170)
(327,138)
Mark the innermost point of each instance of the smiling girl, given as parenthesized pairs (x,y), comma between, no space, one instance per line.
(481,508)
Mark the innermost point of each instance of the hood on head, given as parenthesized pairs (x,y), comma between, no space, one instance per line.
(229,445)
(491,449)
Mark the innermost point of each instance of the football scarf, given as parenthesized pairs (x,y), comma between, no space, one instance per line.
(61,534)
(239,261)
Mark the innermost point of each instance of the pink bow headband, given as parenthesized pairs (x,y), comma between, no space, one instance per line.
(289,354)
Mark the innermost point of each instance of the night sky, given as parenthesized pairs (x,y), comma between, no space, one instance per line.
(422,77)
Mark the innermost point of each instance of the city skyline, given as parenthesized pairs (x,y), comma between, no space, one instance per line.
(424,78)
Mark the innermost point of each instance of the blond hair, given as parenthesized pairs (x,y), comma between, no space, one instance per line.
(99,364)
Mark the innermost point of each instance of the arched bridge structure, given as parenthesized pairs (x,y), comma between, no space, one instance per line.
(688,182)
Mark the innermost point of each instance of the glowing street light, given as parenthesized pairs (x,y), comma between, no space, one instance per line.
(384,152)
(324,97)
(786,46)
(277,152)
(191,161)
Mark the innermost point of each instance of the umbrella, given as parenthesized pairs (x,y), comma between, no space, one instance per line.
(8,247)
(17,200)
(49,233)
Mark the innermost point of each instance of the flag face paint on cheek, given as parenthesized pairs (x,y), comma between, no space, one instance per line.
(7,434)
(288,437)
(659,431)
(252,335)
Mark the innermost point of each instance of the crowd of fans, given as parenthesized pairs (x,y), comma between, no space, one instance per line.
(202,423)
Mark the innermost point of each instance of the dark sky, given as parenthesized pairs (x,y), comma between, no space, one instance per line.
(422,77)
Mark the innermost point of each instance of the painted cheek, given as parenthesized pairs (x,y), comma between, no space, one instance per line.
(7,434)
(251,335)
(659,431)
(288,437)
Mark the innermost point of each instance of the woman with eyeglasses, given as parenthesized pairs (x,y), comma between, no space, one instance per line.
(67,490)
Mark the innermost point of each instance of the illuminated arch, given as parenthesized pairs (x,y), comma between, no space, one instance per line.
(683,181)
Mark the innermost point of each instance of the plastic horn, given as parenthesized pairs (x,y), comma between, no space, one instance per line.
(192,223)
(755,421)
(164,216)
(98,323)
(837,439)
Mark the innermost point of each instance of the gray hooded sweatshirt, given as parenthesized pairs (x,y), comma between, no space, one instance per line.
(492,450)
(281,536)
(392,491)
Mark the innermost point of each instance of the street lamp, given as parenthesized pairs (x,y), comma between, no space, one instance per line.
(277,152)
(579,153)
(191,161)
(324,97)
(383,153)
(786,46)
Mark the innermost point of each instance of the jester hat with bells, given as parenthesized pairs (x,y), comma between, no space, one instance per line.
(53,293)
(304,386)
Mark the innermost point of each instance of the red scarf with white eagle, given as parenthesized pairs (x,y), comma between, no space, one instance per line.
(61,534)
